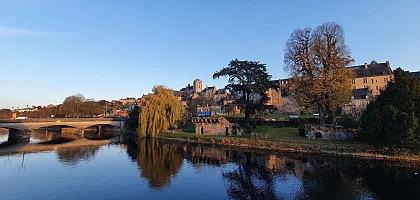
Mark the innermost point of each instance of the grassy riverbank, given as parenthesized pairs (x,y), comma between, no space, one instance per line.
(287,139)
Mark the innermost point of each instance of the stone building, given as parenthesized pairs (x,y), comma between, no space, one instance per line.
(329,132)
(215,126)
(359,100)
(197,86)
(374,76)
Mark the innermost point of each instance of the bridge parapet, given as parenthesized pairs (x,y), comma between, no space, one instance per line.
(76,123)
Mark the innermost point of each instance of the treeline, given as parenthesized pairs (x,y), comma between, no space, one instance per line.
(74,106)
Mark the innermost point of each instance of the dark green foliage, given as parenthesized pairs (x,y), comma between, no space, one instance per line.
(133,119)
(393,119)
(349,121)
(251,79)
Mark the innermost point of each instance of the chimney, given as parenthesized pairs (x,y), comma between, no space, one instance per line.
(388,65)
(366,65)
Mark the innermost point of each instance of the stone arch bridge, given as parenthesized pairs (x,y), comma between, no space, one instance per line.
(79,123)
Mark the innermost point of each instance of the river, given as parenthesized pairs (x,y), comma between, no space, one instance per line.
(155,169)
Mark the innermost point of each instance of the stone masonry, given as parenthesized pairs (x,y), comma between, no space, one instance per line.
(215,126)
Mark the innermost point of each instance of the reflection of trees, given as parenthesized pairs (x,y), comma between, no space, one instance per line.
(73,156)
(253,175)
(251,180)
(392,183)
(158,161)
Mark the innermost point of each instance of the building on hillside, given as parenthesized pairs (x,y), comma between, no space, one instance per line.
(209,110)
(197,86)
(275,96)
(209,91)
(284,86)
(129,101)
(220,95)
(374,76)
(359,100)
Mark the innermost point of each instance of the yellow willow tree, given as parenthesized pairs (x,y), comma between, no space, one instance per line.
(159,111)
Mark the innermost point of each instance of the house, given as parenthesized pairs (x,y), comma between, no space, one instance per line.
(359,100)
(374,76)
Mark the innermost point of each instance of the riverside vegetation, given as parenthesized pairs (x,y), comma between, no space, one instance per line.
(287,139)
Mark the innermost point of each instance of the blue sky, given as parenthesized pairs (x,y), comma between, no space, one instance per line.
(106,49)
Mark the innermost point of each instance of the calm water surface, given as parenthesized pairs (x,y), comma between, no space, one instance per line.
(154,169)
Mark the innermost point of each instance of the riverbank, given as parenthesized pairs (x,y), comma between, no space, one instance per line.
(334,148)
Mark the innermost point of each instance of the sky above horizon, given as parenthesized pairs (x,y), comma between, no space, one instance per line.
(104,49)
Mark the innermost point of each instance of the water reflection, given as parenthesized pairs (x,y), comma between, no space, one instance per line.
(258,175)
(158,161)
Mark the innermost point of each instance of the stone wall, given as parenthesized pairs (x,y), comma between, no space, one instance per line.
(215,126)
(329,132)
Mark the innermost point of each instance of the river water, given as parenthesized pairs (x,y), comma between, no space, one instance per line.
(152,169)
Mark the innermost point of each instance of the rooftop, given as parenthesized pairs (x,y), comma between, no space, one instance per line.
(372,69)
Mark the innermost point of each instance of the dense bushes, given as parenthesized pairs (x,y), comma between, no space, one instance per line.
(393,119)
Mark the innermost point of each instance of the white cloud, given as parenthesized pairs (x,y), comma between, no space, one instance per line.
(11,31)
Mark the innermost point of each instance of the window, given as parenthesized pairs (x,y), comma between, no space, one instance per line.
(372,80)
(365,80)
(386,80)
(377,88)
(353,81)
(354,87)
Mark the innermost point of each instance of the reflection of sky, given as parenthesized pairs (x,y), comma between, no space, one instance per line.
(288,186)
(3,137)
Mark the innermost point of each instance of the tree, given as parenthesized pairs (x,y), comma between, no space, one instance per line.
(158,161)
(133,119)
(5,114)
(159,111)
(317,62)
(252,80)
(393,119)
(90,108)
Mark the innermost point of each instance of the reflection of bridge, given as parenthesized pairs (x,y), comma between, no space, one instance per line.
(22,127)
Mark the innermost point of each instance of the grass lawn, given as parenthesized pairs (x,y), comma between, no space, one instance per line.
(277,133)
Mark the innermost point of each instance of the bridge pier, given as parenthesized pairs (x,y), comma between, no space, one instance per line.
(18,136)
(82,133)
(99,129)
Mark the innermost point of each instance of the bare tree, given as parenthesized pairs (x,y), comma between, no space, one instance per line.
(317,62)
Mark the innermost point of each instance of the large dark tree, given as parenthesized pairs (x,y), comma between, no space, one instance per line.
(252,80)
(317,62)
(393,119)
